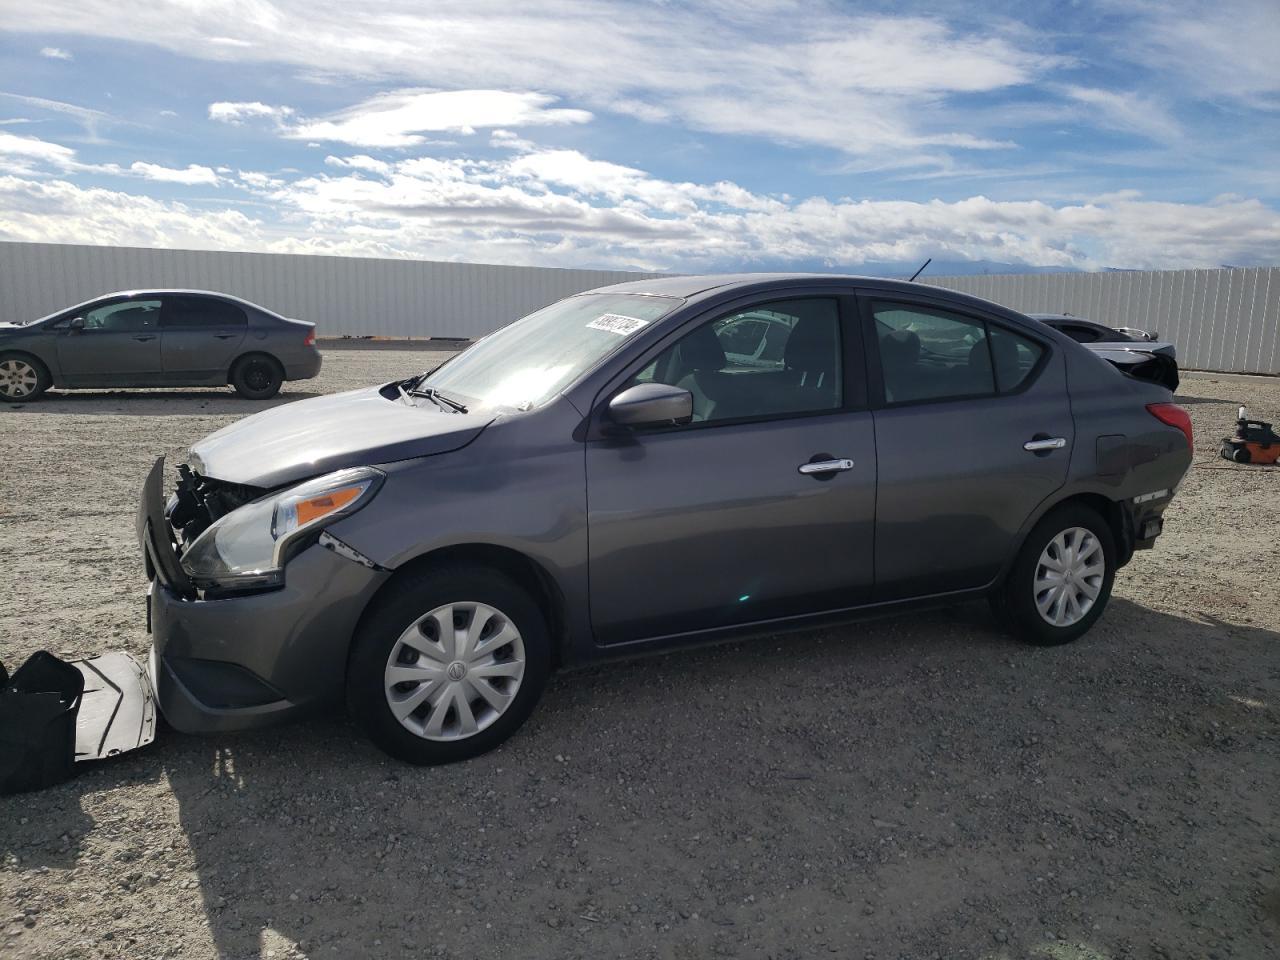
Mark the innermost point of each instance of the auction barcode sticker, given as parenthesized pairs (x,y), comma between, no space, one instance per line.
(617,323)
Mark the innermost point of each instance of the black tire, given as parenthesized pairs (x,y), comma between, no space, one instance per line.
(257,377)
(1242,455)
(403,603)
(15,369)
(1015,601)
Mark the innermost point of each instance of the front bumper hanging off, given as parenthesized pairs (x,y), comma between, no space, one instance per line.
(247,660)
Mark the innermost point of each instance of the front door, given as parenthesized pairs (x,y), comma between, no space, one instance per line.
(761,508)
(119,343)
(201,336)
(960,396)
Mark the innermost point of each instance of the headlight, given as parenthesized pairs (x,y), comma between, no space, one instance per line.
(249,546)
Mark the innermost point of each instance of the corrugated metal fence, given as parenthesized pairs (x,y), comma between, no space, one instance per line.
(341,295)
(1219,319)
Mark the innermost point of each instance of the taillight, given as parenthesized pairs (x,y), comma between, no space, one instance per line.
(1174,416)
(311,338)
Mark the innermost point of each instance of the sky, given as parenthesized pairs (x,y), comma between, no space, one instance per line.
(631,134)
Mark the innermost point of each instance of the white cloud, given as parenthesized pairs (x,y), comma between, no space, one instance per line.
(399,118)
(55,211)
(56,53)
(24,150)
(91,119)
(796,73)
(190,175)
(563,208)
(1127,112)
(238,112)
(31,156)
(1219,49)
(506,211)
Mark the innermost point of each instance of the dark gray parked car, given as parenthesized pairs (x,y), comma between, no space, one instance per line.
(605,477)
(157,338)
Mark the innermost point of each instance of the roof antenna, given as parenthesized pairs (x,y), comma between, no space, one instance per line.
(921,270)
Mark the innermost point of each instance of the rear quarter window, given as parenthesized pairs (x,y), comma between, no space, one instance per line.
(1013,356)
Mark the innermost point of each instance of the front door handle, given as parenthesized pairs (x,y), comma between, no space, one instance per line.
(1049,443)
(144,337)
(825,467)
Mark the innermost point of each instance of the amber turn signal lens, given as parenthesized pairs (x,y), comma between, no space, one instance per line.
(316,507)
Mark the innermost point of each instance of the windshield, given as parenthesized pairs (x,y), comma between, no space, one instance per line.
(536,357)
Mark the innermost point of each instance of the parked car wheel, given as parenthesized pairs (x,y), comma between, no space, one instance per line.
(1061,580)
(448,664)
(22,378)
(257,377)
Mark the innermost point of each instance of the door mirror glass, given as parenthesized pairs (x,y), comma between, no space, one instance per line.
(651,405)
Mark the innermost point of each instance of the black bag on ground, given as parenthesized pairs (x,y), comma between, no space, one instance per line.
(38,708)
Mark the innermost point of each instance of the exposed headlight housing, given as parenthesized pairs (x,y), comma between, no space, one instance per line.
(249,547)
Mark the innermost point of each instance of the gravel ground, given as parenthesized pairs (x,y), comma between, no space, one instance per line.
(915,787)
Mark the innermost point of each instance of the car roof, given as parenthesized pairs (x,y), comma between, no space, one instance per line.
(691,286)
(169,291)
(721,285)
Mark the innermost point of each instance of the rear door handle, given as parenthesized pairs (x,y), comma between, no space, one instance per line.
(825,466)
(224,336)
(1050,443)
(144,337)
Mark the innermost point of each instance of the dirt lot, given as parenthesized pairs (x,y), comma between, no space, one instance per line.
(918,787)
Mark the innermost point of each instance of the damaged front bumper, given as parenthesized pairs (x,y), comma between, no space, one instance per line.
(247,660)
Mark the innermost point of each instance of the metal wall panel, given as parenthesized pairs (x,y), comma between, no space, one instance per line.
(1225,320)
(1219,319)
(342,295)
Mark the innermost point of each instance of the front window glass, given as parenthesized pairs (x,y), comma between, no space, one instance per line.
(525,363)
(125,317)
(775,360)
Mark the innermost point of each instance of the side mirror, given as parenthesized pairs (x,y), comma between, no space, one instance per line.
(75,324)
(651,405)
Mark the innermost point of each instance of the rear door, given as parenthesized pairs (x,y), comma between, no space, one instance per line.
(119,343)
(762,507)
(958,398)
(201,336)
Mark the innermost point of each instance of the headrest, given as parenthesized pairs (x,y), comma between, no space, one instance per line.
(701,350)
(812,345)
(901,347)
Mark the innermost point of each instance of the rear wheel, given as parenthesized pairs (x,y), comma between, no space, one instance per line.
(448,664)
(1061,579)
(22,378)
(257,377)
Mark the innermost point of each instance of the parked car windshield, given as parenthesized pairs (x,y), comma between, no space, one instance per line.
(534,358)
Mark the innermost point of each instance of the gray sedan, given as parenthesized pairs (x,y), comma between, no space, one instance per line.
(163,338)
(627,471)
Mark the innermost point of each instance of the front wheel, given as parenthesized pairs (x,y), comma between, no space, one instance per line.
(448,664)
(1061,580)
(22,378)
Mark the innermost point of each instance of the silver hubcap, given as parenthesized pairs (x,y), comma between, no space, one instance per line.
(455,671)
(1069,576)
(17,378)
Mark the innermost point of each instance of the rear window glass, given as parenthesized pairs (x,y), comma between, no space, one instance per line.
(202,312)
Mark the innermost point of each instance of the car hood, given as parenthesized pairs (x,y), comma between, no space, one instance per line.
(306,438)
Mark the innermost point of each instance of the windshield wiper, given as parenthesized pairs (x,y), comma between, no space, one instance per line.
(431,393)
